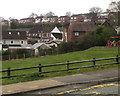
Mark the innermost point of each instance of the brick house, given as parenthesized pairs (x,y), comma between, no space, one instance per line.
(77,29)
(63,19)
(52,19)
(43,34)
(27,20)
(76,18)
(39,19)
(103,16)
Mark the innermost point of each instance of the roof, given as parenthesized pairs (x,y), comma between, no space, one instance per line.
(83,26)
(52,17)
(36,45)
(64,16)
(16,35)
(43,29)
(40,17)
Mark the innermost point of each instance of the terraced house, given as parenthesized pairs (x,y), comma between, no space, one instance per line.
(44,34)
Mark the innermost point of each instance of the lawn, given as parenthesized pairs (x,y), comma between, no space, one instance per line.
(95,52)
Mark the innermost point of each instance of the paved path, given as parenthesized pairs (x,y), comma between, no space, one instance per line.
(59,81)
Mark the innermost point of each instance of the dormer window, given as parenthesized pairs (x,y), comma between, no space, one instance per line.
(9,33)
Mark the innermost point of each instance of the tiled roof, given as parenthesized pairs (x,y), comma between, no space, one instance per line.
(63,16)
(16,35)
(83,26)
(43,29)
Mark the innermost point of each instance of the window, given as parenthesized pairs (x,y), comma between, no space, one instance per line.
(9,33)
(33,34)
(75,17)
(77,33)
(11,42)
(21,42)
(18,33)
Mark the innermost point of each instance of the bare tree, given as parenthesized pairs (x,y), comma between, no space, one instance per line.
(114,11)
(95,10)
(93,13)
(114,7)
(68,13)
(1,19)
(33,15)
(49,14)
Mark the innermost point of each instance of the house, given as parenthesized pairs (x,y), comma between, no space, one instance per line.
(52,19)
(63,19)
(76,18)
(77,29)
(38,46)
(40,34)
(44,34)
(102,17)
(5,22)
(14,38)
(39,19)
(27,20)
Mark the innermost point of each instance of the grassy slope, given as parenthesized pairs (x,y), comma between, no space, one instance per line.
(97,52)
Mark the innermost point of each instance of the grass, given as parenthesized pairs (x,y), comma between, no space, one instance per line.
(95,52)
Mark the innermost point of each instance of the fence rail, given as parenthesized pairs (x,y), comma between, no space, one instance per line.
(67,65)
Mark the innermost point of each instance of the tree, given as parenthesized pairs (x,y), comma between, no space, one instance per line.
(33,15)
(1,19)
(49,14)
(114,7)
(93,12)
(68,13)
(102,34)
(114,10)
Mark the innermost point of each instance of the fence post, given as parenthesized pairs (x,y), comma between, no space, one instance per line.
(93,61)
(117,60)
(8,72)
(24,55)
(67,65)
(40,68)
(9,57)
(16,56)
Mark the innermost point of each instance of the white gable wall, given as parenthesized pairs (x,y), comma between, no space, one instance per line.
(56,30)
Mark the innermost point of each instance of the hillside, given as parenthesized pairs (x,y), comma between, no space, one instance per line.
(94,52)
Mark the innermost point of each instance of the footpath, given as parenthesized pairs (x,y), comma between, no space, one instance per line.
(96,76)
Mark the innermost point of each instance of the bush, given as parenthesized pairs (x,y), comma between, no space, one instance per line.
(43,52)
(99,37)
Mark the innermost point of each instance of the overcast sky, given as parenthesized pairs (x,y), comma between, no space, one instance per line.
(18,9)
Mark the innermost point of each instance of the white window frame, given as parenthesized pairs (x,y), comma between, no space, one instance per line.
(18,33)
(22,42)
(11,42)
(77,34)
(10,33)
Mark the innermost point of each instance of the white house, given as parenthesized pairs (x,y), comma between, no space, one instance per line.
(14,38)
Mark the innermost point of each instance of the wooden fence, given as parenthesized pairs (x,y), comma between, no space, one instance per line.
(67,67)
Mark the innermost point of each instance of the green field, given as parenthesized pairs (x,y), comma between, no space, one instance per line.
(95,52)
